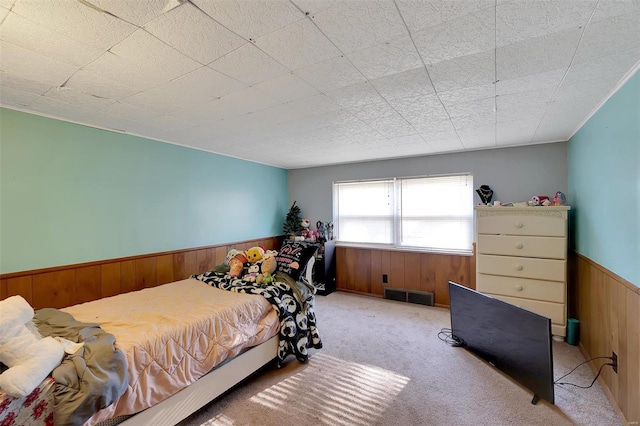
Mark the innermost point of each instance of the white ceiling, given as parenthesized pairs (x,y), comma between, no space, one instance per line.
(306,83)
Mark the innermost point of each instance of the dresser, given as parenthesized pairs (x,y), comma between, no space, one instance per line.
(522,259)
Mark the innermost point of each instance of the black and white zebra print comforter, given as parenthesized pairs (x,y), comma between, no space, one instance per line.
(296,313)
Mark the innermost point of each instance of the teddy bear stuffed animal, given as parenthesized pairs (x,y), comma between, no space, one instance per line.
(29,357)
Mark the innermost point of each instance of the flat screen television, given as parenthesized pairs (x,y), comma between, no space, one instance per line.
(514,340)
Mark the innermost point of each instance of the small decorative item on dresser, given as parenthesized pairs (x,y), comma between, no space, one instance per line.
(559,199)
(485,193)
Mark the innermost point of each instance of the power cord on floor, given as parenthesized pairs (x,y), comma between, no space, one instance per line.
(446,336)
(558,383)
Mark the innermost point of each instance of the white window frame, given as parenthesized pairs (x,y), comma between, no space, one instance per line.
(463,223)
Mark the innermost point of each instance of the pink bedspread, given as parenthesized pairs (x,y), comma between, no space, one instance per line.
(174,334)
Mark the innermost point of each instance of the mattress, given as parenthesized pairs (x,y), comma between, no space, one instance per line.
(174,334)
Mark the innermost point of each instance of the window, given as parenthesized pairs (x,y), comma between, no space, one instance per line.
(432,213)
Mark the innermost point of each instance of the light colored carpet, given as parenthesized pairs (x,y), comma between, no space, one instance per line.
(383,364)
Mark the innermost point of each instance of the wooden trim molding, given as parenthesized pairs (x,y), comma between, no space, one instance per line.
(608,308)
(67,285)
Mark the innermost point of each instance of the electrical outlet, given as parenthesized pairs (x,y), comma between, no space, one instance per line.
(614,361)
(385,278)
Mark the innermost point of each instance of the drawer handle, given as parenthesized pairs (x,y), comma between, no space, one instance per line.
(519,288)
(519,246)
(519,267)
(519,225)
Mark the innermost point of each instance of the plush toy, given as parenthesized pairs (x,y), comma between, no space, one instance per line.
(236,260)
(268,267)
(252,273)
(254,254)
(30,357)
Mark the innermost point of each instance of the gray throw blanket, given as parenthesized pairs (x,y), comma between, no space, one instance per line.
(92,378)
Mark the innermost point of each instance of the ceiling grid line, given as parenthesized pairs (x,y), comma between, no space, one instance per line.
(573,56)
(435,91)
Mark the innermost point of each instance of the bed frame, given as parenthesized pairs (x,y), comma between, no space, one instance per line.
(195,396)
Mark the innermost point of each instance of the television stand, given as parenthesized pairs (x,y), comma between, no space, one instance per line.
(535,399)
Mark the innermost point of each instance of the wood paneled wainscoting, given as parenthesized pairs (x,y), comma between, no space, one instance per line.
(608,308)
(68,285)
(361,270)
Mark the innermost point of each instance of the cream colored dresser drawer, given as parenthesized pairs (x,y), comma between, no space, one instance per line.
(544,247)
(550,291)
(522,267)
(553,311)
(514,224)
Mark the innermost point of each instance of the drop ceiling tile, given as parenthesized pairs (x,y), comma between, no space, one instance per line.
(609,36)
(207,113)
(331,74)
(53,108)
(445,144)
(315,6)
(298,45)
(17,82)
(435,127)
(592,93)
(524,19)
(251,19)
(478,137)
(75,97)
(610,68)
(142,61)
(517,132)
(466,71)
(404,84)
(481,108)
(130,112)
(524,105)
(248,100)
(389,58)
(476,119)
(610,8)
(249,65)
(138,12)
(422,14)
(193,33)
(287,87)
(42,41)
(420,109)
(197,87)
(94,84)
(392,126)
(314,105)
(356,25)
(10,97)
(165,124)
(467,94)
(354,96)
(537,55)
(76,20)
(532,82)
(32,66)
(106,121)
(464,36)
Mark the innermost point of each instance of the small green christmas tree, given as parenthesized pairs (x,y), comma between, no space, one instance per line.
(292,225)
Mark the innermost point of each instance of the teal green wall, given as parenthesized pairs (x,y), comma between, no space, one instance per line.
(71,194)
(604,184)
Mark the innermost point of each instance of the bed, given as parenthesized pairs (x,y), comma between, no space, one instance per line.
(185,343)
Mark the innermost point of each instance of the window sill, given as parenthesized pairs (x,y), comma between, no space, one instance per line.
(403,249)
